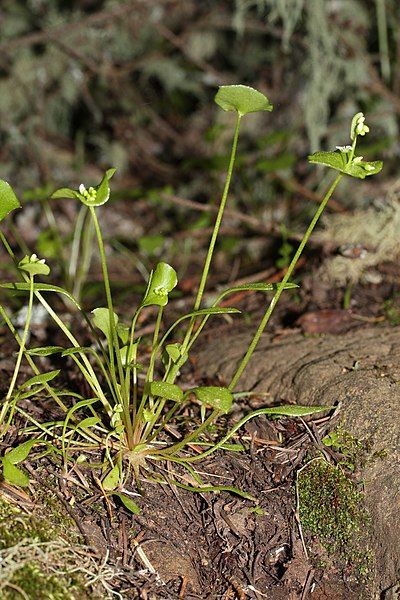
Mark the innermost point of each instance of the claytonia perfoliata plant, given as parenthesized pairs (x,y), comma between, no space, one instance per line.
(126,415)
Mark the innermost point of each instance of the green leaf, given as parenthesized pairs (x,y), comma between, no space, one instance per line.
(173,351)
(162,281)
(258,287)
(169,391)
(123,332)
(103,193)
(242,98)
(13,475)
(217,397)
(128,503)
(128,357)
(88,422)
(78,350)
(8,199)
(45,350)
(294,410)
(40,379)
(339,161)
(96,197)
(20,453)
(111,480)
(39,287)
(65,193)
(213,310)
(33,267)
(101,318)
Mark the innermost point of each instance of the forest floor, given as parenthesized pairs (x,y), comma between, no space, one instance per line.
(190,546)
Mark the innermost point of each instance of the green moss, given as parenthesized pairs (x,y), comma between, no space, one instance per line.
(353,454)
(42,586)
(34,558)
(331,509)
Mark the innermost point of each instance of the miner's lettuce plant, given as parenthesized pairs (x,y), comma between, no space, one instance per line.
(132,404)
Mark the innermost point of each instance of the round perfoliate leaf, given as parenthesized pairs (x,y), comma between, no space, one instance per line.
(33,265)
(8,199)
(111,480)
(339,161)
(162,281)
(242,98)
(217,397)
(94,196)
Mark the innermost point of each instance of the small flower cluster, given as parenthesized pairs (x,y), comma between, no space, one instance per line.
(34,265)
(89,194)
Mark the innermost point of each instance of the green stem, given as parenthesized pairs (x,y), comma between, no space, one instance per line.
(186,440)
(31,363)
(214,236)
(114,336)
(270,309)
(63,328)
(23,340)
(150,371)
(96,384)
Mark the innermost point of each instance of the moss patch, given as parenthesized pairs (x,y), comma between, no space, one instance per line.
(332,509)
(35,562)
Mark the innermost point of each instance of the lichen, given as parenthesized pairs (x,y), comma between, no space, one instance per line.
(37,560)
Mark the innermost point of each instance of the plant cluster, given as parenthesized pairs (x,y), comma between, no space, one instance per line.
(127,416)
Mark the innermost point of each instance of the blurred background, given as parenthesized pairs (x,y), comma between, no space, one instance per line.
(90,84)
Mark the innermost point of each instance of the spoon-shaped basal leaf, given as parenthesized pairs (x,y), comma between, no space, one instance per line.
(216,397)
(169,391)
(339,161)
(39,287)
(21,452)
(111,480)
(40,379)
(128,503)
(13,475)
(45,350)
(8,199)
(242,98)
(101,318)
(162,281)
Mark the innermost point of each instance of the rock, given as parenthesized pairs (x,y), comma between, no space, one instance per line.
(360,370)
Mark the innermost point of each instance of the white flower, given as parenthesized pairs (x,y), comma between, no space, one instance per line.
(344,148)
(82,189)
(361,127)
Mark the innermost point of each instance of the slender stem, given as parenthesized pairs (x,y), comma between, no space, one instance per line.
(155,346)
(23,340)
(97,388)
(270,309)
(217,226)
(31,363)
(179,445)
(114,336)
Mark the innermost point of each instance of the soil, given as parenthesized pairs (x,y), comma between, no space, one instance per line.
(218,546)
(185,546)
